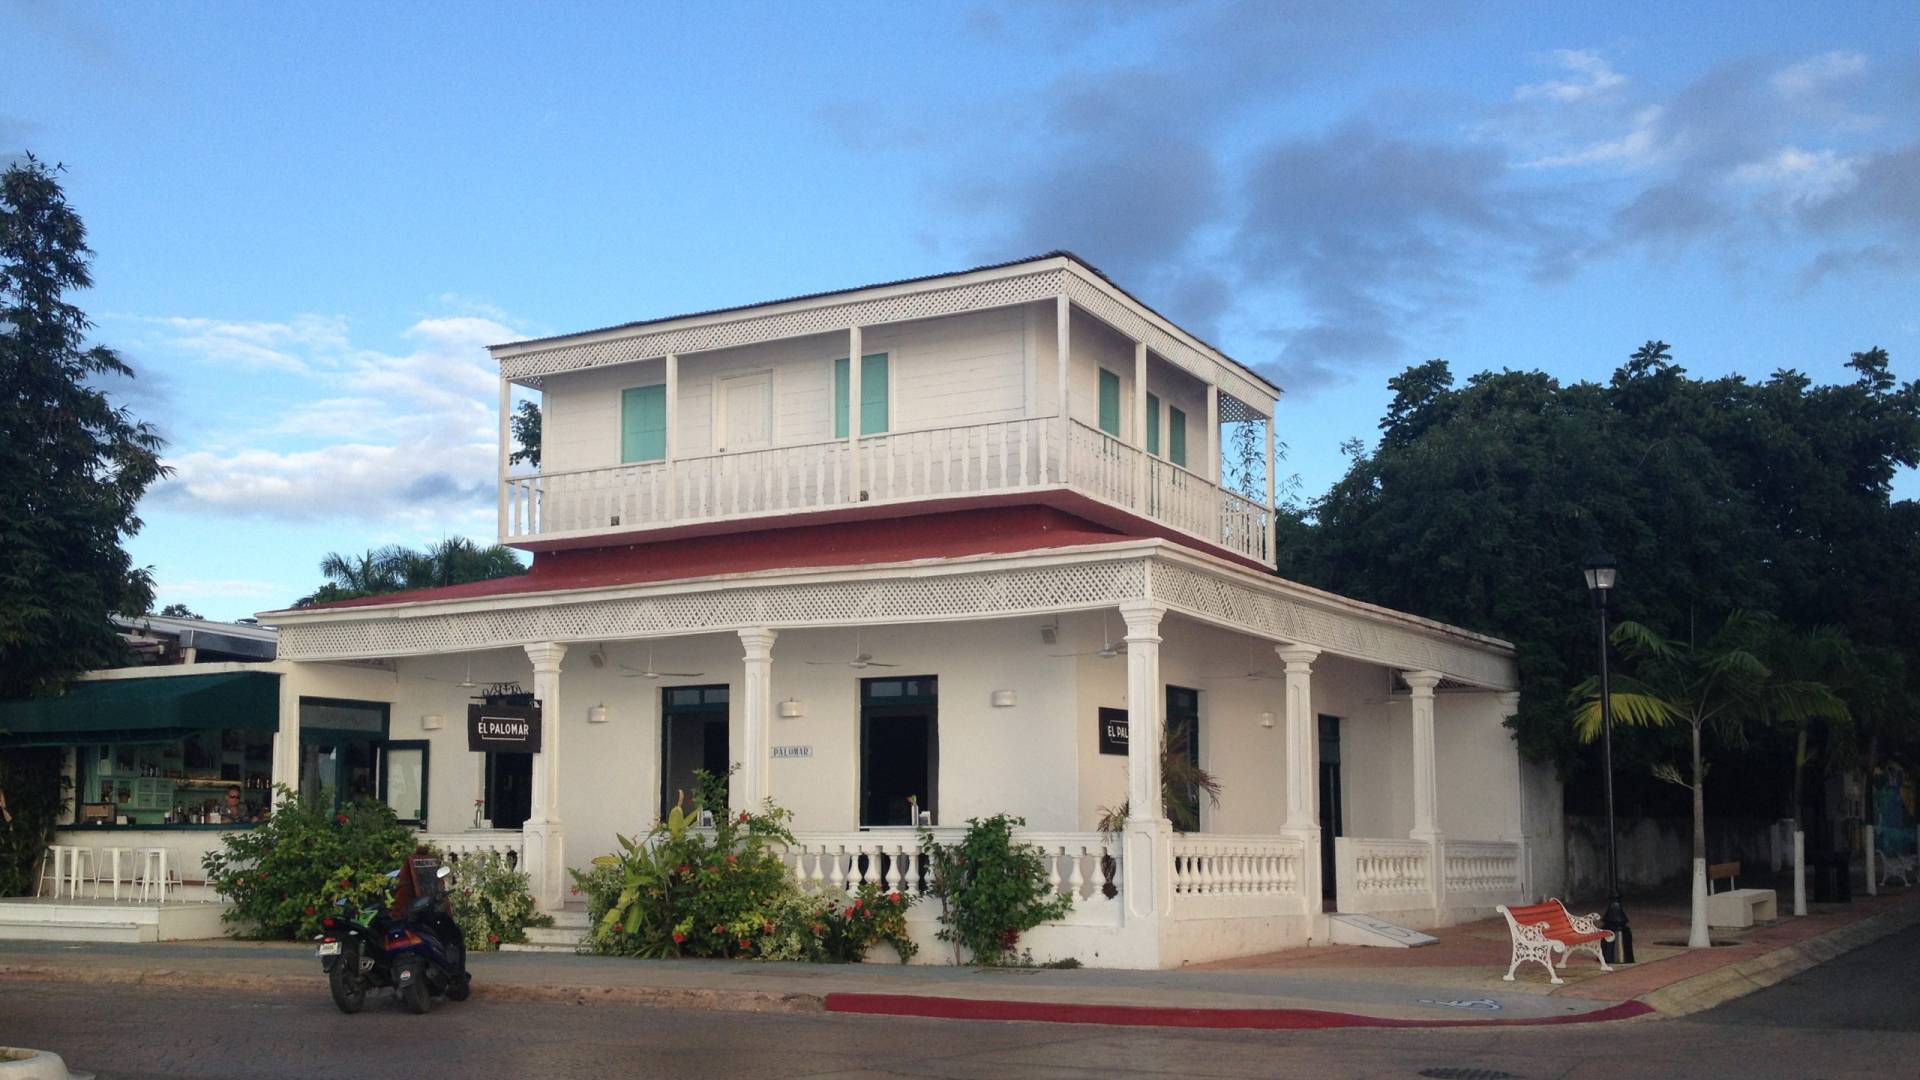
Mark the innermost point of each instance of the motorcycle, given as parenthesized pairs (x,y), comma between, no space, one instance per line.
(421,955)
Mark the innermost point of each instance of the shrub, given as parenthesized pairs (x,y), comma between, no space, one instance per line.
(492,902)
(679,891)
(287,872)
(33,788)
(991,889)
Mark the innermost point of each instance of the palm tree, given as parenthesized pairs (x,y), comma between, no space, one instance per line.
(1182,782)
(453,561)
(1721,682)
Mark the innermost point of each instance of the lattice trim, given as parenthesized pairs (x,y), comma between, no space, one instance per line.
(752,329)
(963,595)
(1216,598)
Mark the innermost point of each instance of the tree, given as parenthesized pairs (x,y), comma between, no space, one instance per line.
(180,611)
(526,432)
(72,465)
(1721,682)
(453,561)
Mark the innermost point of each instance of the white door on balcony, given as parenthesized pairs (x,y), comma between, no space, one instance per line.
(745,407)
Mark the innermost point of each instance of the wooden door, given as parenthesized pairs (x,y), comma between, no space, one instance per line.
(745,408)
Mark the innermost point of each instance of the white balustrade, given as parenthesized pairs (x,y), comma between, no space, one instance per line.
(1481,867)
(1081,865)
(1383,875)
(502,843)
(1210,865)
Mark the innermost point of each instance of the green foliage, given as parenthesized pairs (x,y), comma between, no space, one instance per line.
(285,873)
(682,891)
(180,611)
(453,561)
(33,792)
(72,466)
(991,888)
(526,433)
(1182,781)
(492,902)
(1482,500)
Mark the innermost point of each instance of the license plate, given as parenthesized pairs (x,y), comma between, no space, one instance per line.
(329,948)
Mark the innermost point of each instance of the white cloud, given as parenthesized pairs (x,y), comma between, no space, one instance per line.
(406,438)
(296,346)
(1640,145)
(1814,73)
(1592,77)
(1798,177)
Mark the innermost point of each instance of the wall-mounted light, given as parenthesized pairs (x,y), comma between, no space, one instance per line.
(792,709)
(1266,719)
(1003,699)
(597,714)
(432,722)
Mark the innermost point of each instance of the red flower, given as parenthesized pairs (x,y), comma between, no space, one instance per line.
(731,859)
(685,869)
(619,928)
(678,937)
(819,929)
(576,890)
(859,903)
(310,909)
(894,896)
(494,938)
(719,929)
(340,819)
(766,928)
(745,944)
(743,817)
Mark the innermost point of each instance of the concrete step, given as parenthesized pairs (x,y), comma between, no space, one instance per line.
(568,950)
(567,936)
(571,918)
(78,930)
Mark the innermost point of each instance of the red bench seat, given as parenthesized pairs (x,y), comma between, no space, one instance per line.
(1541,930)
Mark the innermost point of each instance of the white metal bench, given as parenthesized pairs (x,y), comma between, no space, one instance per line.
(1734,906)
(1904,867)
(1541,930)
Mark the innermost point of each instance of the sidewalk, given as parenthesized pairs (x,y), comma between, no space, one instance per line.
(1456,982)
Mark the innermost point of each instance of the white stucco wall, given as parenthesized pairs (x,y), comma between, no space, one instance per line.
(1478,765)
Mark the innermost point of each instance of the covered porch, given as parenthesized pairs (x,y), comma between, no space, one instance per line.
(1361,753)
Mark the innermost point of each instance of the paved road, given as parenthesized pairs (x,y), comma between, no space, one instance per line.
(1854,1017)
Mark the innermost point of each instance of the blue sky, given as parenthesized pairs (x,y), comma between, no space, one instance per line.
(309,221)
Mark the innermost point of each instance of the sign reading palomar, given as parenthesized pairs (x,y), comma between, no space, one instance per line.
(504,729)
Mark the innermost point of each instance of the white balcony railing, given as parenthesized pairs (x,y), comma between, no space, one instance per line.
(1085,866)
(907,466)
(1378,876)
(1208,865)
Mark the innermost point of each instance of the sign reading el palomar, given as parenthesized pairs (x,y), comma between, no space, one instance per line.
(504,729)
(1113,731)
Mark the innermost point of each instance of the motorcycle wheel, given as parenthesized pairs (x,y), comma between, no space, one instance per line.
(415,997)
(349,989)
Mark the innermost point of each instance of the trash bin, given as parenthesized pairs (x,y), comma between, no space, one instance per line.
(1832,877)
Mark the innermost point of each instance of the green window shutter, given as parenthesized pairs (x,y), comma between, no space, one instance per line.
(643,423)
(1109,403)
(1153,423)
(873,396)
(1177,437)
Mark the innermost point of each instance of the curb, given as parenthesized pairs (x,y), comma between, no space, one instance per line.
(1050,1012)
(755,1001)
(1714,988)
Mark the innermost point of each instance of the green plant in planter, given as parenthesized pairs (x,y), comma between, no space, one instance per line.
(492,902)
(284,874)
(991,888)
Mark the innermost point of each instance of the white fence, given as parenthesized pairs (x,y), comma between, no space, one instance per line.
(1397,876)
(1085,866)
(954,462)
(504,843)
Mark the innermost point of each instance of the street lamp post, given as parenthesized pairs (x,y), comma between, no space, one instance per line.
(1600,571)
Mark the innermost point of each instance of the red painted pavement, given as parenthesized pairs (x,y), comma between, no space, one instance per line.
(1051,1012)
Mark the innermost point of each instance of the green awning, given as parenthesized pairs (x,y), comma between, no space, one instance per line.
(92,708)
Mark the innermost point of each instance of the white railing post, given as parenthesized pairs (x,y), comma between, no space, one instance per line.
(506,411)
(1063,351)
(1142,501)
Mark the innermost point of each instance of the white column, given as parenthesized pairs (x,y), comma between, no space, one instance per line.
(286,741)
(1213,433)
(854,487)
(506,440)
(756,717)
(1426,805)
(1303,759)
(673,435)
(1147,864)
(1063,349)
(1873,881)
(1139,440)
(544,837)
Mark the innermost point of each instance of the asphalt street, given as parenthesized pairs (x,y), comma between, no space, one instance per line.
(1856,1016)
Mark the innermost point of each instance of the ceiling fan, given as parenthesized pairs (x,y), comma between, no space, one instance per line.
(1108,649)
(1252,672)
(861,658)
(464,684)
(649,673)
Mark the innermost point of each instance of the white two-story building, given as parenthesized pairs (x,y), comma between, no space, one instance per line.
(953,546)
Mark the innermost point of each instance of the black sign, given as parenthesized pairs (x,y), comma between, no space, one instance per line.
(504,729)
(1113,731)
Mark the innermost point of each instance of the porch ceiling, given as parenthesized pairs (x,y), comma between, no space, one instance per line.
(1092,577)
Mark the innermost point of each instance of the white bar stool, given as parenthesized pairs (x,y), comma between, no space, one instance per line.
(52,869)
(153,872)
(80,866)
(113,859)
